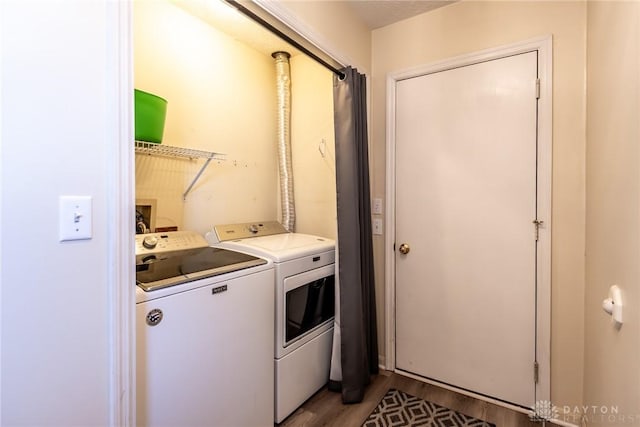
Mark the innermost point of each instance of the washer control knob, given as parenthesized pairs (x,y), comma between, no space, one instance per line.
(253,228)
(150,242)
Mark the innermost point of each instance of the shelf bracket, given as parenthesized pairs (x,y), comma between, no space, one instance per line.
(204,166)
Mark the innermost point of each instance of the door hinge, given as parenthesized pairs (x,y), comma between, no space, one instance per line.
(536,369)
(537,88)
(537,224)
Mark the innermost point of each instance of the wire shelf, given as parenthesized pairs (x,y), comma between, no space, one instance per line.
(150,148)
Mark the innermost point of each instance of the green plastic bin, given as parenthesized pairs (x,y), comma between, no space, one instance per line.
(150,113)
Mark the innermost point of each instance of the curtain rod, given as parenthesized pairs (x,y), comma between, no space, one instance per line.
(272,28)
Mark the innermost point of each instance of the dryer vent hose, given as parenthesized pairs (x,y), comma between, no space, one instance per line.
(287,203)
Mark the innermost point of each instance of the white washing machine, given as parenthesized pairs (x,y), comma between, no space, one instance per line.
(204,321)
(304,304)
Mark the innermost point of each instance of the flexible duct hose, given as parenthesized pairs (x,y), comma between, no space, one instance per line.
(287,202)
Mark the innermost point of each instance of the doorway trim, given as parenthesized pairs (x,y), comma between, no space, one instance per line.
(543,45)
(121,207)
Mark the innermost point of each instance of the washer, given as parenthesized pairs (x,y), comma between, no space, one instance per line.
(204,322)
(304,304)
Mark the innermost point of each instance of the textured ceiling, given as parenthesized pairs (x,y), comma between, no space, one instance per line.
(379,13)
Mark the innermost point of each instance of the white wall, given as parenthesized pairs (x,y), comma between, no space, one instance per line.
(612,371)
(470,26)
(55,296)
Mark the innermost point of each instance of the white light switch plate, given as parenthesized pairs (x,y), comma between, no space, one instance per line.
(377,206)
(75,218)
(377,226)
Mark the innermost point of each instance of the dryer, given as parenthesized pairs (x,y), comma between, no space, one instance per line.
(304,304)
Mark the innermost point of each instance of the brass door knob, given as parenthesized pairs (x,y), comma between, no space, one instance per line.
(404,249)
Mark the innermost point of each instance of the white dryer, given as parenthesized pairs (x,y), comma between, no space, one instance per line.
(304,304)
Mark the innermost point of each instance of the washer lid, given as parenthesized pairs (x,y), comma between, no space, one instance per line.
(283,247)
(157,271)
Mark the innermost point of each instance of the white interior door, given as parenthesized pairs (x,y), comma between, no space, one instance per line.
(465,201)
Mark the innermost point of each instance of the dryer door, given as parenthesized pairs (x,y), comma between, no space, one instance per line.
(309,301)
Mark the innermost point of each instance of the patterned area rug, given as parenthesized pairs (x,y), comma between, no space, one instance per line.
(398,408)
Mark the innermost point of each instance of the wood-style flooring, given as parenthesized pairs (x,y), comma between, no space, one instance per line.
(325,408)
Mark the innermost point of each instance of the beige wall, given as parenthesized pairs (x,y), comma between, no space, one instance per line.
(222,98)
(312,131)
(472,26)
(612,370)
(333,27)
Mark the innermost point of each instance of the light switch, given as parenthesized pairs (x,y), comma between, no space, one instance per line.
(75,218)
(377,226)
(377,206)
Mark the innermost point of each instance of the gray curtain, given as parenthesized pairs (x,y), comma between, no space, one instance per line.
(355,355)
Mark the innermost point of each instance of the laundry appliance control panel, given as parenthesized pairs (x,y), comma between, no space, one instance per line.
(223,233)
(153,243)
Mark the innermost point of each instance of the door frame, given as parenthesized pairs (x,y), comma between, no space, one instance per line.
(121,207)
(543,45)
